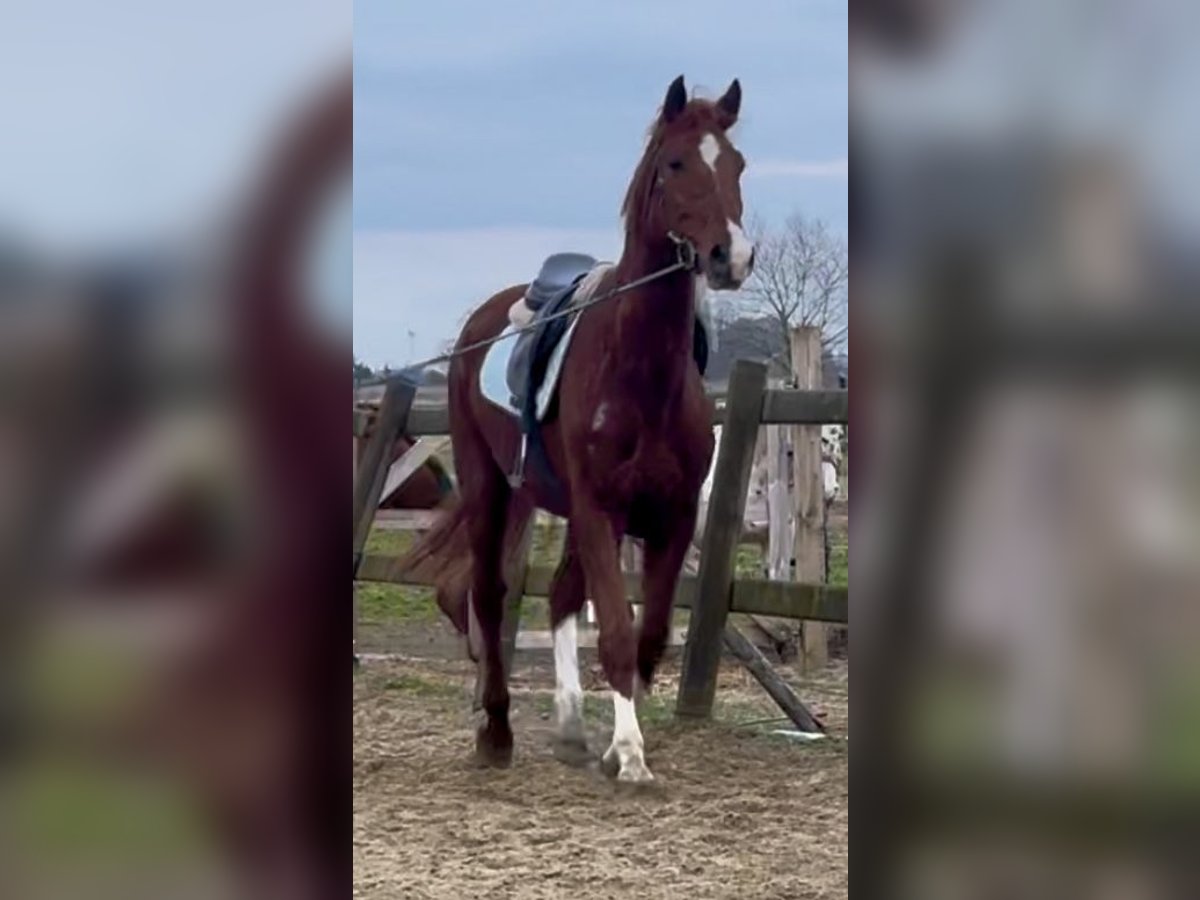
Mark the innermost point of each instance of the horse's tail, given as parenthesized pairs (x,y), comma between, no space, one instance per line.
(442,557)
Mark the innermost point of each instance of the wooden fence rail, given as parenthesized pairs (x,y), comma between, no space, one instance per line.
(430,416)
(756,596)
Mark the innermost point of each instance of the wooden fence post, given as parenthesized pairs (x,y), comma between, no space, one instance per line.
(722,530)
(368,485)
(780,543)
(809,519)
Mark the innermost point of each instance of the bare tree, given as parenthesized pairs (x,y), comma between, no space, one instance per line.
(801,277)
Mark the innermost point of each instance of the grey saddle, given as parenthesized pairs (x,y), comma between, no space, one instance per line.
(550,292)
(559,273)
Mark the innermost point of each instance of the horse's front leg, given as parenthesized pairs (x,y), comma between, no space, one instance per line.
(596,537)
(664,556)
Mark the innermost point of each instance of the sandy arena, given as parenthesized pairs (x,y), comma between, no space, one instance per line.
(737,812)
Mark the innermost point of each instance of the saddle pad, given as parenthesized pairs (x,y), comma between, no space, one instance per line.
(493,376)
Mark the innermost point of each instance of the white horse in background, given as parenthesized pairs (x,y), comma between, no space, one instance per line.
(832,437)
(831,461)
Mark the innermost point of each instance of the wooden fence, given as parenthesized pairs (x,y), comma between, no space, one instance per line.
(713,593)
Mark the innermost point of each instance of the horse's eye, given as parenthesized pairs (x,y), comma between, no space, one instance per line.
(675,165)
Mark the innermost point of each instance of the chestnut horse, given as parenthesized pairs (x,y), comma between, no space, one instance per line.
(632,439)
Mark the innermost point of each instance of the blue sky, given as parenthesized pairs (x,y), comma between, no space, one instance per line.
(490,135)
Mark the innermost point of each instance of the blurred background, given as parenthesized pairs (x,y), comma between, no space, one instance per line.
(1024,226)
(174,314)
(174,336)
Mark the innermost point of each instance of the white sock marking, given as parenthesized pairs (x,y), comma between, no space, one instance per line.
(568,695)
(627,741)
(740,251)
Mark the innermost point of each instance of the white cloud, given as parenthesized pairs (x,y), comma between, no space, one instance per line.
(798,168)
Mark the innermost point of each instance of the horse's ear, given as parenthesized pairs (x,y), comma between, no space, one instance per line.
(675,101)
(729,104)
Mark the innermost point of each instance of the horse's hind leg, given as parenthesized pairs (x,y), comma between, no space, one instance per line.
(491,498)
(567,595)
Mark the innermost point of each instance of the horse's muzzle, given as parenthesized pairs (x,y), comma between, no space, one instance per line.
(723,272)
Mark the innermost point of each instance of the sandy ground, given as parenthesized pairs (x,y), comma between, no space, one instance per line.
(737,812)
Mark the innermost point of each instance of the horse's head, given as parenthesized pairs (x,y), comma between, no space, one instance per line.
(688,184)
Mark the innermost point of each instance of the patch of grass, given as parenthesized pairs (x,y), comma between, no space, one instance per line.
(389,542)
(749,561)
(379,603)
(839,565)
(535,613)
(423,687)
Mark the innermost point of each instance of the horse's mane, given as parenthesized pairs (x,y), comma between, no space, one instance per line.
(699,115)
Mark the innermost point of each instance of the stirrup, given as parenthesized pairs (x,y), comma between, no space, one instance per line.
(517,476)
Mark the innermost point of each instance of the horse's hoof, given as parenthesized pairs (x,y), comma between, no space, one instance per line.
(488,757)
(635,773)
(494,746)
(610,763)
(572,752)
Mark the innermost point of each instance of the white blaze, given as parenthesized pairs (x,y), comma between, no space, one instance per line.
(740,251)
(710,149)
(740,248)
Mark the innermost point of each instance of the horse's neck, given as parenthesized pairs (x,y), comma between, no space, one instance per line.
(655,321)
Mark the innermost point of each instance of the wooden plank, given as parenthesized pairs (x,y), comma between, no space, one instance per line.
(806,407)
(779,505)
(702,654)
(370,474)
(407,465)
(396,404)
(428,420)
(588,639)
(778,689)
(792,600)
(407,519)
(430,416)
(808,494)
(780,540)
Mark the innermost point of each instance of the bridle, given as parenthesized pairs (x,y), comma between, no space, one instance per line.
(685,252)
